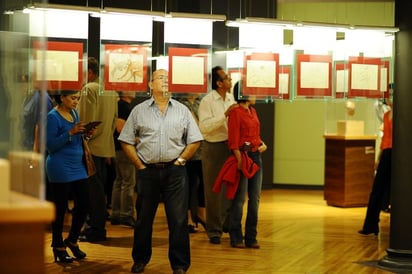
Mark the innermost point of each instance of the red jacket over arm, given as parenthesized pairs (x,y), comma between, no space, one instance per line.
(230,175)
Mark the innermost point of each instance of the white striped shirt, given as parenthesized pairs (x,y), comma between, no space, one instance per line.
(162,137)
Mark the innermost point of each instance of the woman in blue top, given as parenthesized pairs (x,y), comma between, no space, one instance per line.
(66,172)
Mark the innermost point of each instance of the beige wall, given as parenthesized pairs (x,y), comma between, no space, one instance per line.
(373,13)
(300,125)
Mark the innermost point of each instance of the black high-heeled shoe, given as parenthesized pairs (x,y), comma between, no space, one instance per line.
(198,220)
(62,255)
(192,229)
(75,249)
(364,232)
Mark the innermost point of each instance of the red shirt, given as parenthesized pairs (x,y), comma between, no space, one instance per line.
(243,126)
(386,141)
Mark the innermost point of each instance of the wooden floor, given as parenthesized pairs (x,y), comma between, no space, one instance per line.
(298,233)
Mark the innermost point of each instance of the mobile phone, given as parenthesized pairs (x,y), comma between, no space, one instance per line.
(91,125)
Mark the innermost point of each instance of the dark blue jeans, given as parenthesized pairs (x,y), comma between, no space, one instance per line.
(252,187)
(170,184)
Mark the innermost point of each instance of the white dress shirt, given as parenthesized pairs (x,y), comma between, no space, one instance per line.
(212,119)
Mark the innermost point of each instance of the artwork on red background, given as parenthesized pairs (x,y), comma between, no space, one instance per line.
(314,75)
(235,75)
(384,79)
(364,77)
(284,82)
(341,80)
(125,67)
(59,64)
(261,74)
(188,70)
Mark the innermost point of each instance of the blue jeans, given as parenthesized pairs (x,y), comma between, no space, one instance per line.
(253,187)
(169,183)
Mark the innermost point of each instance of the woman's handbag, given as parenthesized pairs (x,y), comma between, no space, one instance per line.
(88,158)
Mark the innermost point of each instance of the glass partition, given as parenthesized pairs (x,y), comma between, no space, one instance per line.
(188,55)
(348,68)
(306,61)
(126,51)
(41,54)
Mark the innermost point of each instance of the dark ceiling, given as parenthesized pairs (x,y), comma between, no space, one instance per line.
(231,8)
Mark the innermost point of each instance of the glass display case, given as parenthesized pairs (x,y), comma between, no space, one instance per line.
(351,130)
(39,58)
(23,107)
(352,117)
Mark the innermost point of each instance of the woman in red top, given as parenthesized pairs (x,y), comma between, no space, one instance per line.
(244,135)
(382,181)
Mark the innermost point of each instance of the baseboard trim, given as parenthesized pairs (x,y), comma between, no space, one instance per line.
(293,186)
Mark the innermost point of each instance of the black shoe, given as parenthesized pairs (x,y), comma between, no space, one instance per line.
(214,240)
(198,220)
(115,221)
(62,256)
(254,246)
(75,249)
(179,271)
(238,245)
(128,222)
(192,229)
(87,237)
(138,268)
(365,232)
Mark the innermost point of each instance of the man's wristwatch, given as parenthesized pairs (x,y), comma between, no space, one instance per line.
(182,161)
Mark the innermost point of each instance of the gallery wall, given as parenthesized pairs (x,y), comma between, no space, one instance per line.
(299,126)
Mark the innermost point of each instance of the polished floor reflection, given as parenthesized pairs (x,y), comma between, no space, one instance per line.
(298,233)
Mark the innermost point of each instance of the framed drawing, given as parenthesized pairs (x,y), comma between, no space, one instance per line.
(59,64)
(341,80)
(284,82)
(125,67)
(384,79)
(236,75)
(364,77)
(314,75)
(188,70)
(261,74)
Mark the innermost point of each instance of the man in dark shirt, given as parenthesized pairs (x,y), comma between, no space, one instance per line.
(125,181)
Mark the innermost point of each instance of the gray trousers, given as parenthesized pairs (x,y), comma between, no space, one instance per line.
(123,188)
(217,206)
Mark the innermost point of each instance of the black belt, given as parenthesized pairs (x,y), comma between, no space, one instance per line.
(161,164)
(220,142)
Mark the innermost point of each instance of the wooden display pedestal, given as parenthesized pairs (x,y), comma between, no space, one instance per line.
(23,222)
(349,170)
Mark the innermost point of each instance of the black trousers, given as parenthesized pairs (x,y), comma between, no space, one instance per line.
(196,187)
(60,193)
(381,185)
(96,222)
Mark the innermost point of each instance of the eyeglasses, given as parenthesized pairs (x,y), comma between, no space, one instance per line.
(225,78)
(161,77)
